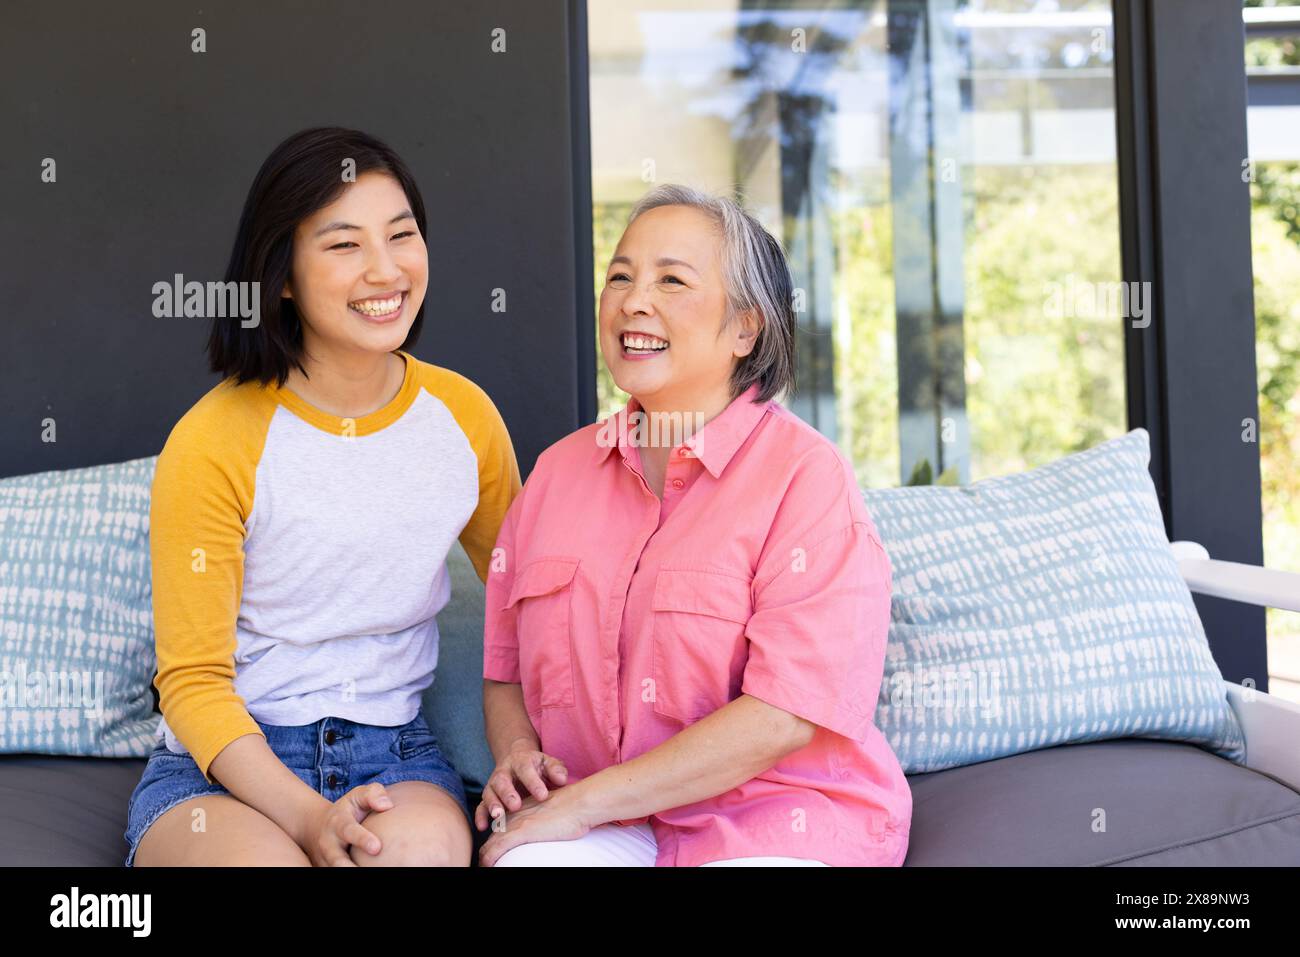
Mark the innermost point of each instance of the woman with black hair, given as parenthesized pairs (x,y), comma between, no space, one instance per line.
(301,516)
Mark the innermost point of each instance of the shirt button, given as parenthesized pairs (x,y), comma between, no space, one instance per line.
(329,737)
(333,781)
(678,483)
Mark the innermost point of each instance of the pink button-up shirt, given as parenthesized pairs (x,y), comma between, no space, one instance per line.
(626,618)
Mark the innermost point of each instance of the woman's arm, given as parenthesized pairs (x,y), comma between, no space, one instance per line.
(498,469)
(251,771)
(515,745)
(816,654)
(816,659)
(505,719)
(201,497)
(721,751)
(516,751)
(202,494)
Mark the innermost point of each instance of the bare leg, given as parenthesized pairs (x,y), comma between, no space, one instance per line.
(425,827)
(225,832)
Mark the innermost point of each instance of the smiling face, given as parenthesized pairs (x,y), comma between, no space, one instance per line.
(360,269)
(662,312)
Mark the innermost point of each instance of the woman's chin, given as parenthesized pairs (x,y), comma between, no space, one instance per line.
(637,383)
(385,338)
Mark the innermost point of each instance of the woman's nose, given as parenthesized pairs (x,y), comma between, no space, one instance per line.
(381,267)
(638,300)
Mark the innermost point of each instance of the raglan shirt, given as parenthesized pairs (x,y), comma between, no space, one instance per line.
(299,558)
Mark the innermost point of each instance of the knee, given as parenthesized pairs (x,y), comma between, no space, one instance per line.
(414,850)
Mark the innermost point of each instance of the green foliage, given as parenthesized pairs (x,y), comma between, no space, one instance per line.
(1275,246)
(608,221)
(1272,51)
(923,474)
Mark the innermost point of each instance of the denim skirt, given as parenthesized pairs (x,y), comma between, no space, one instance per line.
(332,756)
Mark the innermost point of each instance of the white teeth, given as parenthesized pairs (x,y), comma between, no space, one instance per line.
(377,307)
(643,343)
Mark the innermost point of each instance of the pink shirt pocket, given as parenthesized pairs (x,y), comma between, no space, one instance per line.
(699,644)
(542,595)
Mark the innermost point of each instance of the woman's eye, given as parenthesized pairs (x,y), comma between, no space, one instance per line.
(673,279)
(401,235)
(618,277)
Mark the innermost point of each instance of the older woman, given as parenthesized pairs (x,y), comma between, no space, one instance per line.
(686,626)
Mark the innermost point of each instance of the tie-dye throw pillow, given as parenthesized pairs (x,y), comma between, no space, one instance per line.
(1040,609)
(76,630)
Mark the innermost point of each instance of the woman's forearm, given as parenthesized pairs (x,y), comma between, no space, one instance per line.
(715,754)
(505,719)
(251,771)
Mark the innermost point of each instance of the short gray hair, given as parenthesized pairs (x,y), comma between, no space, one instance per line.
(756,277)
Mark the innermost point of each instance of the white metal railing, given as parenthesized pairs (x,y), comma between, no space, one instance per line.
(1271,724)
(1236,581)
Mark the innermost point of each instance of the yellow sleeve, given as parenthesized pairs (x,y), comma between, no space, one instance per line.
(202,496)
(498,470)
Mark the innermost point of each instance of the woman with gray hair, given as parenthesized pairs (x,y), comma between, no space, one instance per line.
(688,604)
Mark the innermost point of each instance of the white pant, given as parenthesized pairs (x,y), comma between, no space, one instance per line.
(617,845)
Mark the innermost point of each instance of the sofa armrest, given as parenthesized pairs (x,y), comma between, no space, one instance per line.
(1272,729)
(1271,724)
(1236,581)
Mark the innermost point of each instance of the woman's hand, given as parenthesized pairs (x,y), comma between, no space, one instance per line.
(333,828)
(522,766)
(559,819)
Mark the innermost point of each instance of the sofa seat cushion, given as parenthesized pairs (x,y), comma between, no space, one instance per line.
(65,811)
(1164,804)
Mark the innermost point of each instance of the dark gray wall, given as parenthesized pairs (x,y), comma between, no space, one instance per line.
(1185,227)
(156,147)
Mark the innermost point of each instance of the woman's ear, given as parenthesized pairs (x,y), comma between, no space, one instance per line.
(286,292)
(747,333)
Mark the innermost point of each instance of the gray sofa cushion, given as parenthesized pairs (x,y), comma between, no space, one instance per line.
(70,811)
(1165,804)
(65,811)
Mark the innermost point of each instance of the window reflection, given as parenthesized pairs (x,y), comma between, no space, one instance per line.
(943,177)
(1273,130)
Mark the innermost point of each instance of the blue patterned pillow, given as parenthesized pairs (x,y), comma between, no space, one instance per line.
(1040,609)
(76,629)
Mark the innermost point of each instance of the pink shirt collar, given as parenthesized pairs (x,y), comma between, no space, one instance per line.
(714,445)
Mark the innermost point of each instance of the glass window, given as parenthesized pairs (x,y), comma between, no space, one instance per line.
(942,174)
(1273,128)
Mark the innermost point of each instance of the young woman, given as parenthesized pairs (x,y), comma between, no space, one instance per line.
(301,515)
(686,627)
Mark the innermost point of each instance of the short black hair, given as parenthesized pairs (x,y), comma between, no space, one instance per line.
(302,175)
